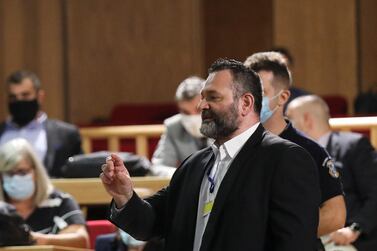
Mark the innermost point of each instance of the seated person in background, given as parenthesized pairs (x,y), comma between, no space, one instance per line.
(54,141)
(357,163)
(182,136)
(54,217)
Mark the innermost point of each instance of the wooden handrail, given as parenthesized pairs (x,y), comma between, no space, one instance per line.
(357,123)
(141,133)
(90,191)
(113,134)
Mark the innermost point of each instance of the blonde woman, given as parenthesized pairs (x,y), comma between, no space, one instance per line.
(54,217)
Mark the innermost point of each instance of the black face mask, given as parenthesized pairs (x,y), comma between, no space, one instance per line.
(23,111)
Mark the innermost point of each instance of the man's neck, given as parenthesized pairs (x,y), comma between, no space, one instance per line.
(317,134)
(243,127)
(276,124)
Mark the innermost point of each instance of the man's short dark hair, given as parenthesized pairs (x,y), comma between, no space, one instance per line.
(245,80)
(273,62)
(286,53)
(18,76)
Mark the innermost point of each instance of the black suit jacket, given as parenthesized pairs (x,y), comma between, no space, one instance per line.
(63,141)
(356,161)
(268,200)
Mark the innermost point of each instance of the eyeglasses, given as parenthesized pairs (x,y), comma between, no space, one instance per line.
(20,172)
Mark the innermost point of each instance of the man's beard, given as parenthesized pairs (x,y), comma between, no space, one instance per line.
(221,123)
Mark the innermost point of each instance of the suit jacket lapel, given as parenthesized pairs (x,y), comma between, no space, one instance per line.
(185,215)
(51,142)
(333,146)
(245,154)
(2,128)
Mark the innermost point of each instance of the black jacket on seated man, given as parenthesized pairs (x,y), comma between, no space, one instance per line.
(356,160)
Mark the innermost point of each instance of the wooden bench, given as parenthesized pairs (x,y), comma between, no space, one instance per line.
(90,191)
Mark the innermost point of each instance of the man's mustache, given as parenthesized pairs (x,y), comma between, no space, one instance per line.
(208,114)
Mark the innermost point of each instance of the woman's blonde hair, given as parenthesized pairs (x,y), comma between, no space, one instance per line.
(11,153)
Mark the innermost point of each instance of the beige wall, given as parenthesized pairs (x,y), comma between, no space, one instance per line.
(322,37)
(129,51)
(30,33)
(236,29)
(368,43)
(93,54)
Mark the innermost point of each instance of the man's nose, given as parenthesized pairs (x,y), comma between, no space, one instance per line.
(203,104)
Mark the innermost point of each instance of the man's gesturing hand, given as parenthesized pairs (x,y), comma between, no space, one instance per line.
(117,180)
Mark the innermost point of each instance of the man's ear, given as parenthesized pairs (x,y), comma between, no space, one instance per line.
(283,97)
(308,121)
(247,103)
(41,94)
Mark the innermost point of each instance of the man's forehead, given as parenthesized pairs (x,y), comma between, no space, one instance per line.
(218,79)
(25,85)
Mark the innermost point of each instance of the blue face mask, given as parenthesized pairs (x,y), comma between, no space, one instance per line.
(19,187)
(129,240)
(266,112)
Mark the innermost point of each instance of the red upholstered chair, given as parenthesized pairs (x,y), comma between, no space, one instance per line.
(338,105)
(141,114)
(97,227)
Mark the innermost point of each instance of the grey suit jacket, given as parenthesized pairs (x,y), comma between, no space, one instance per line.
(175,145)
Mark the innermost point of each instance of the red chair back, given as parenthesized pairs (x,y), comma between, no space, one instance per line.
(98,227)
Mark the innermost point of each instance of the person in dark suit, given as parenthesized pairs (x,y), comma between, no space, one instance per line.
(53,140)
(250,190)
(276,80)
(356,161)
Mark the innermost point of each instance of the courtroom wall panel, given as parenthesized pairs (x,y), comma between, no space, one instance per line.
(236,29)
(31,38)
(368,43)
(322,37)
(129,51)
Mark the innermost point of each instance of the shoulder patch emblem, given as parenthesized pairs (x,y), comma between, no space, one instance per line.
(329,164)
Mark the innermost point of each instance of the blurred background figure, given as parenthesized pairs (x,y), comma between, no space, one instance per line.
(54,217)
(356,161)
(54,141)
(182,136)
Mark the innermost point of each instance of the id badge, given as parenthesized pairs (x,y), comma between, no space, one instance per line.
(207,208)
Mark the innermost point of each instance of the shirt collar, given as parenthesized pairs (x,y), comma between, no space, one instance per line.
(234,145)
(324,139)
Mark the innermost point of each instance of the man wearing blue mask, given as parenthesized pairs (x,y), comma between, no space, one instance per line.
(182,136)
(54,141)
(276,80)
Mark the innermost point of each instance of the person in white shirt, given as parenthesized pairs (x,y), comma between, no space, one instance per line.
(250,190)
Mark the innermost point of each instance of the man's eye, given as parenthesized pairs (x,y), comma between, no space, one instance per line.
(213,98)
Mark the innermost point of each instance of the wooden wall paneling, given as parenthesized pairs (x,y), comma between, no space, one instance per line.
(368,43)
(3,109)
(237,29)
(322,37)
(30,39)
(129,51)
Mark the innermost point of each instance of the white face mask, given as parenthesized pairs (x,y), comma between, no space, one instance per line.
(192,124)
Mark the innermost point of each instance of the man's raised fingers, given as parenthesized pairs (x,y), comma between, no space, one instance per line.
(105,179)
